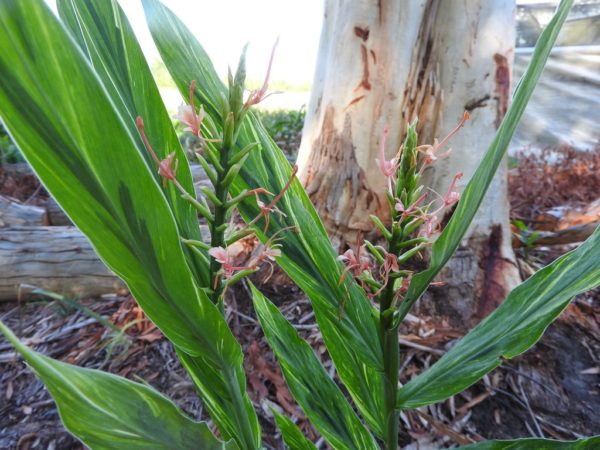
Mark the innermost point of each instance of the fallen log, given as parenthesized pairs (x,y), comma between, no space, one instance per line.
(58,259)
(571,235)
(56,216)
(563,217)
(13,213)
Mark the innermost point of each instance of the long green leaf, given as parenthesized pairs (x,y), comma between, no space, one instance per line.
(447,243)
(107,38)
(309,383)
(291,434)
(510,330)
(307,254)
(105,411)
(61,118)
(592,443)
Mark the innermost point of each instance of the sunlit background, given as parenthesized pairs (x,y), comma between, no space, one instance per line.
(225,26)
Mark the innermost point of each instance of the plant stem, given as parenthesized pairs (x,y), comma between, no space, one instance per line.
(217,232)
(391,355)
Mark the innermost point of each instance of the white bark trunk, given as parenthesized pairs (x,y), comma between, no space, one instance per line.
(386,63)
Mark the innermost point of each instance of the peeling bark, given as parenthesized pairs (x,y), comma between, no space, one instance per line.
(335,181)
(502,86)
(491,289)
(422,95)
(427,60)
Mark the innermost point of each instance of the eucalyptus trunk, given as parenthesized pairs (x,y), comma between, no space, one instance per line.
(384,63)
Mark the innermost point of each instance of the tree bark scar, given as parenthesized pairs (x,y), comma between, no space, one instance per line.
(502,86)
(335,181)
(364,83)
(492,263)
(354,101)
(362,33)
(477,103)
(374,56)
(334,169)
(422,96)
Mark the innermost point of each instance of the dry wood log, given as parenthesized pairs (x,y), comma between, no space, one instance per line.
(56,216)
(13,213)
(563,217)
(58,259)
(571,235)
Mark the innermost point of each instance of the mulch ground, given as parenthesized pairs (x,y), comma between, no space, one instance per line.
(553,390)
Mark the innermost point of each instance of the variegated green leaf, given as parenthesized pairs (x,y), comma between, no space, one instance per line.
(105,411)
(307,254)
(65,123)
(291,434)
(510,330)
(106,37)
(309,383)
(592,443)
(107,40)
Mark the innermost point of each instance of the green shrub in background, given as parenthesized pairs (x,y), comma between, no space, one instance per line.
(80,102)
(284,127)
(9,153)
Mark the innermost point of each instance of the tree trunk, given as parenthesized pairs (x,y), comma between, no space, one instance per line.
(384,63)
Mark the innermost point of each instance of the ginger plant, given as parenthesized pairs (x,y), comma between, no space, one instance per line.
(71,93)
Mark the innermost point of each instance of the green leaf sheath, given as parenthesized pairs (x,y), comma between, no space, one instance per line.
(537,444)
(291,434)
(510,330)
(105,411)
(307,254)
(450,238)
(64,121)
(107,40)
(309,383)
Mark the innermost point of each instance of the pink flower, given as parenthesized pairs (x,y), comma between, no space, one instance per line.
(355,263)
(272,253)
(431,151)
(265,210)
(408,211)
(187,113)
(259,95)
(429,225)
(165,166)
(388,167)
(452,196)
(220,254)
(166,169)
(225,256)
